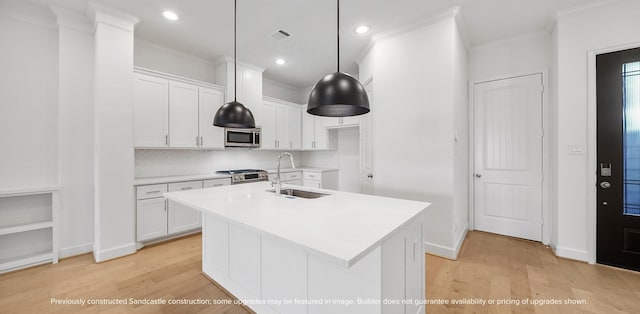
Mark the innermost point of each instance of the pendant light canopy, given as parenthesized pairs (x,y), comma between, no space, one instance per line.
(338,94)
(234,114)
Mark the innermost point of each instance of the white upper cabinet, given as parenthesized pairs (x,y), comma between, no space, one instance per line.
(249,82)
(209,102)
(150,111)
(314,132)
(183,115)
(266,119)
(178,114)
(295,127)
(342,122)
(281,124)
(308,131)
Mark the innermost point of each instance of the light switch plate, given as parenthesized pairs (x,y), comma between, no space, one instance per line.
(577,149)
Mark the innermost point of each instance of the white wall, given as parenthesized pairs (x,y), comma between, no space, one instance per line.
(283,91)
(614,24)
(518,55)
(461,173)
(415,77)
(75,59)
(28,96)
(156,57)
(159,162)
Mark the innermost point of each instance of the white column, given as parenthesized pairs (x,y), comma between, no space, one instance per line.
(75,98)
(113,133)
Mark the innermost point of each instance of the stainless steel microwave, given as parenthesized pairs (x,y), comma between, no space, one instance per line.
(248,138)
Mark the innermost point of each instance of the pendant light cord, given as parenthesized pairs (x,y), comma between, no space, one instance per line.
(338,33)
(235,59)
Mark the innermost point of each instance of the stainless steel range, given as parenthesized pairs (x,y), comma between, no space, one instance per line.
(245,175)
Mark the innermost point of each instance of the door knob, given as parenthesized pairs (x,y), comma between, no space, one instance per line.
(478,175)
(605,184)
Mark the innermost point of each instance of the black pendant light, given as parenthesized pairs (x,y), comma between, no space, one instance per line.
(234,114)
(338,94)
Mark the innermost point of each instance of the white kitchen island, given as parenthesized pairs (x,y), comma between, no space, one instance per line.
(341,253)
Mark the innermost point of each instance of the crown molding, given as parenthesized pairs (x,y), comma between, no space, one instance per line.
(229,59)
(27,12)
(103,14)
(451,13)
(584,7)
(72,19)
(281,84)
(172,51)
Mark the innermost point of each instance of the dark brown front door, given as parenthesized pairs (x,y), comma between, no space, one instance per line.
(618,97)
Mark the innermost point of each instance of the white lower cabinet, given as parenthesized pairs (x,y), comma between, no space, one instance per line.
(320,179)
(179,217)
(156,217)
(254,266)
(151,217)
(244,259)
(286,277)
(291,178)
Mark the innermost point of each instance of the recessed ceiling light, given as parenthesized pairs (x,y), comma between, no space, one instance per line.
(362,29)
(170,15)
(280,61)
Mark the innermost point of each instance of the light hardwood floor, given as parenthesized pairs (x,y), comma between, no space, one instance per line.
(498,267)
(489,267)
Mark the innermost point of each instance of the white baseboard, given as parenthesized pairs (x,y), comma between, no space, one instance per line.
(119,251)
(75,250)
(444,251)
(579,255)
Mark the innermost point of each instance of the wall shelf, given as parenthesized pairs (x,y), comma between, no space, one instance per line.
(28,233)
(27,227)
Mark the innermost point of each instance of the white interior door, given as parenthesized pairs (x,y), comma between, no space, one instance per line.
(508,156)
(366,145)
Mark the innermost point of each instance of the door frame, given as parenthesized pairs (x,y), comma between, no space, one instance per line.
(546,155)
(592,146)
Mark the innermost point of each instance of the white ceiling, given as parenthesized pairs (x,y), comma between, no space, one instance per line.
(205,28)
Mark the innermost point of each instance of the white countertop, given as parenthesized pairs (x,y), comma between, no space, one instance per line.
(342,227)
(272,171)
(196,177)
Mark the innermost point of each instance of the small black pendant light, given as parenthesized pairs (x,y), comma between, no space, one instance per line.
(338,94)
(234,114)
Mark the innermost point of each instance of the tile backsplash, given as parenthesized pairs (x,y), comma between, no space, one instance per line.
(172,162)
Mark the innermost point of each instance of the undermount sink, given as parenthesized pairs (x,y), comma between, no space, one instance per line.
(299,193)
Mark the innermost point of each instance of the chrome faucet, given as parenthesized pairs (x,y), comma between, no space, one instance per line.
(278,183)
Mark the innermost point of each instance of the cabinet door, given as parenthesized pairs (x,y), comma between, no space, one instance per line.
(294,182)
(182,218)
(312,183)
(244,259)
(209,102)
(286,277)
(295,127)
(151,218)
(308,130)
(267,121)
(183,115)
(282,127)
(414,267)
(350,121)
(332,122)
(215,246)
(321,133)
(150,111)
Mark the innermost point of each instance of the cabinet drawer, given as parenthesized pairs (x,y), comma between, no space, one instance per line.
(183,186)
(216,182)
(312,183)
(291,175)
(150,191)
(312,175)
